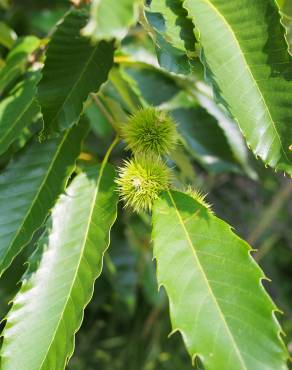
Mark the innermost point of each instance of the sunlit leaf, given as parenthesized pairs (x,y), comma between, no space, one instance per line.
(111,19)
(247,60)
(60,279)
(217,301)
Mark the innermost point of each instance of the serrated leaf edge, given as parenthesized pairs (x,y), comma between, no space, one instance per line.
(254,150)
(275,309)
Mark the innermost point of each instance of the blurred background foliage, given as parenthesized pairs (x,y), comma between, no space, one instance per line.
(127,322)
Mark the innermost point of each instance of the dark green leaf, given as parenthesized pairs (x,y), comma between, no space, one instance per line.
(204,139)
(173,34)
(73,68)
(30,186)
(18,110)
(149,80)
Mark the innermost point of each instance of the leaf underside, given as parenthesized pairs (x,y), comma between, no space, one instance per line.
(216,298)
(247,61)
(59,282)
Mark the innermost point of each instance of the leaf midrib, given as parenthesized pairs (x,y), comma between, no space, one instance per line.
(11,127)
(32,204)
(78,265)
(271,120)
(192,247)
(84,69)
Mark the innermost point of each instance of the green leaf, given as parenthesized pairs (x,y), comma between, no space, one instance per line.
(228,125)
(73,68)
(146,80)
(59,283)
(18,110)
(173,33)
(247,60)
(98,123)
(111,19)
(204,139)
(7,35)
(125,89)
(17,60)
(217,301)
(30,186)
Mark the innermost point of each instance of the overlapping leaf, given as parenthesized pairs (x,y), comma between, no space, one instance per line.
(246,58)
(18,110)
(60,279)
(17,60)
(74,67)
(230,128)
(111,19)
(146,80)
(204,139)
(173,34)
(30,186)
(214,287)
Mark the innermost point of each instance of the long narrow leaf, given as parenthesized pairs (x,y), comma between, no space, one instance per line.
(216,298)
(30,186)
(246,58)
(74,67)
(18,110)
(48,310)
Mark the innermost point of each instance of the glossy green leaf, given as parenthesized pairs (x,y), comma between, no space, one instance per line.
(111,19)
(7,35)
(17,60)
(59,283)
(247,60)
(29,187)
(74,67)
(217,301)
(18,110)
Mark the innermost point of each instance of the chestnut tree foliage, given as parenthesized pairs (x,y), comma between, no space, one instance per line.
(154,88)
